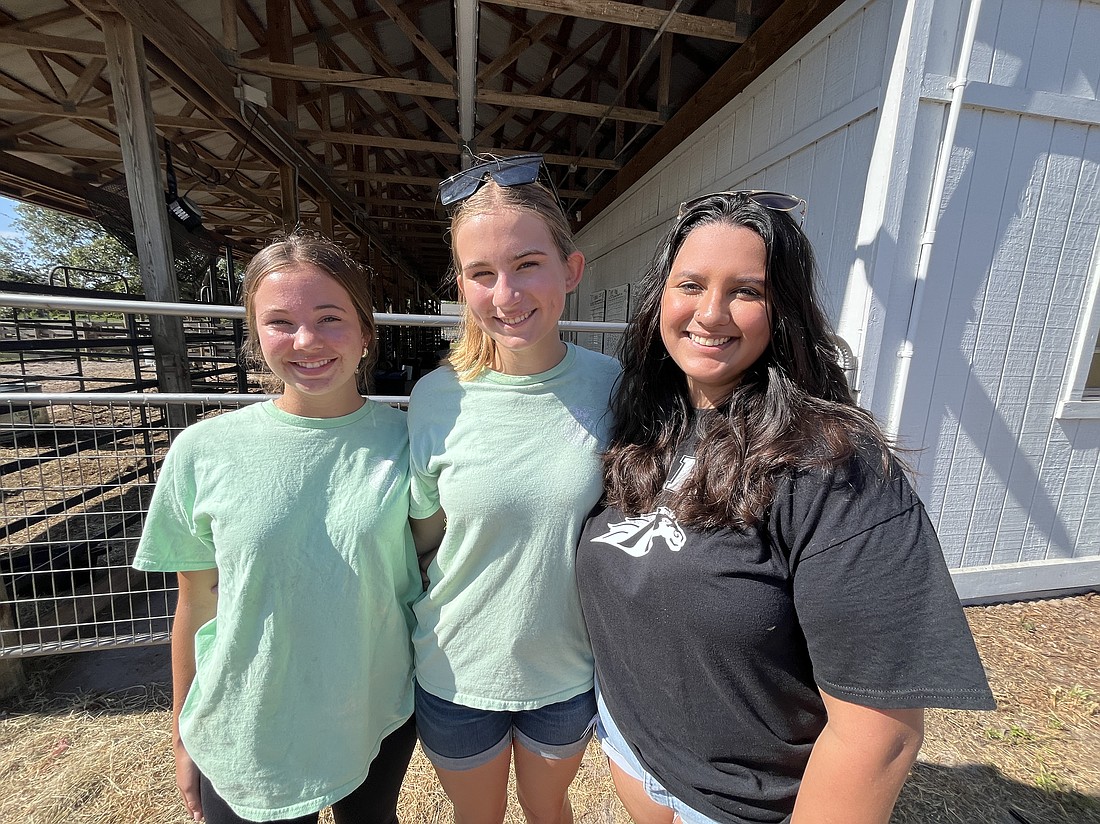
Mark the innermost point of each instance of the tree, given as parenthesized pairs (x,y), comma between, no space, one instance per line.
(47,239)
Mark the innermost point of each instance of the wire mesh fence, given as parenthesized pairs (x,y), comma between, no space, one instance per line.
(75,482)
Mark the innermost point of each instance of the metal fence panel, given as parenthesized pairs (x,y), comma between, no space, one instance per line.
(75,483)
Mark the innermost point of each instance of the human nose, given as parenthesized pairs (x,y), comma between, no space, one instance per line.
(305,336)
(713,308)
(505,291)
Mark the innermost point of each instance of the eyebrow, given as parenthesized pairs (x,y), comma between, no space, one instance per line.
(318,307)
(691,273)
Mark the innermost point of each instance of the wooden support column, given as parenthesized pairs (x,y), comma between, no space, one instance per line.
(12,676)
(288,196)
(280,49)
(141,161)
(324,206)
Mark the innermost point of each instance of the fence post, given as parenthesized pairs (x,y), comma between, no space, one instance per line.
(12,676)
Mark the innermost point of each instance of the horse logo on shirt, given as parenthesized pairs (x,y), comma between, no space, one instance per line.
(635,536)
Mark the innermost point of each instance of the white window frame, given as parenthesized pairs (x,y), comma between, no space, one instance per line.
(1086,348)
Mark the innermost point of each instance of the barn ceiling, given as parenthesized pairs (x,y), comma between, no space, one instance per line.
(345,114)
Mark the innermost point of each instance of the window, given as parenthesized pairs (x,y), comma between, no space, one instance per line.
(1081,395)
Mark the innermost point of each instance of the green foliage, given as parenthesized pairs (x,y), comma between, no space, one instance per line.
(47,239)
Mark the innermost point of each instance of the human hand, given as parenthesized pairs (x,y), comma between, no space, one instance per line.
(187,779)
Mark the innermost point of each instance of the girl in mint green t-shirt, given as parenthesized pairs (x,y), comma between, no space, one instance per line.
(505,444)
(286,522)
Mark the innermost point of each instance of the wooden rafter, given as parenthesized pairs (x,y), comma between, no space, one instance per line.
(629,14)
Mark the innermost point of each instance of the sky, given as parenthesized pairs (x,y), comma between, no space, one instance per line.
(7,214)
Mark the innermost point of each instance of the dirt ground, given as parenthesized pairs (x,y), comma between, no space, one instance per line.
(87,741)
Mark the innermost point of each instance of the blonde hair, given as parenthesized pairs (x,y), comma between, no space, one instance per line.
(303,247)
(475,351)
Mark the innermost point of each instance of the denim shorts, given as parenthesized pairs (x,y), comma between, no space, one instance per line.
(455,737)
(618,751)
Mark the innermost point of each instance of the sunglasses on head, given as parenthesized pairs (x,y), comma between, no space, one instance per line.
(508,171)
(776,201)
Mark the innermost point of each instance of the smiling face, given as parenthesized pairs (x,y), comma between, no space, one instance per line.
(714,313)
(514,281)
(311,338)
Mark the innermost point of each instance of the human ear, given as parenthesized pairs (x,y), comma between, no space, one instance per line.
(574,265)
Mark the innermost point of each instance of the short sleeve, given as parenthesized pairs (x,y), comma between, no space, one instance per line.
(172,540)
(882,621)
(423,478)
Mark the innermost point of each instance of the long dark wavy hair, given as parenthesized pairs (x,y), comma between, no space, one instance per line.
(790,411)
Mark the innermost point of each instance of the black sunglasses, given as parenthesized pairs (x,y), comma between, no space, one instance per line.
(776,201)
(509,171)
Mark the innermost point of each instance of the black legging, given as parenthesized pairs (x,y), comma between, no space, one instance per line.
(372,802)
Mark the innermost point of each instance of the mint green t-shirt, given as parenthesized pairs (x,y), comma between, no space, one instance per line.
(307,666)
(513,460)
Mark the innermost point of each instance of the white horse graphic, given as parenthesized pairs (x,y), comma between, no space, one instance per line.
(635,536)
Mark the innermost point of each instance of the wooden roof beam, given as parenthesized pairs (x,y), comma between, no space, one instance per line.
(527,39)
(791,21)
(629,14)
(547,80)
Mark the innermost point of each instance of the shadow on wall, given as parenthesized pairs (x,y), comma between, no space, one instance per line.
(981,794)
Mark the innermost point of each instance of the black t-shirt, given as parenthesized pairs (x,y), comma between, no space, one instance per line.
(711,646)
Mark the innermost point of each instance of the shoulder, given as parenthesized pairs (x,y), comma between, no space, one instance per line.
(439,379)
(819,508)
(591,360)
(594,373)
(382,414)
(432,397)
(214,430)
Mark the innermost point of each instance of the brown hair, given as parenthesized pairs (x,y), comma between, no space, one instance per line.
(297,248)
(475,351)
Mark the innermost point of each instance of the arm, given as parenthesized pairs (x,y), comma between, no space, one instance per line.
(858,764)
(427,536)
(197,604)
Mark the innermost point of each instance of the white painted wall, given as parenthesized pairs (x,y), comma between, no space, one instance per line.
(852,118)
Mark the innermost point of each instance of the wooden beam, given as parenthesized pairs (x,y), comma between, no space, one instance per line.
(49,43)
(628,14)
(277,38)
(547,80)
(785,27)
(49,75)
(141,157)
(230,36)
(105,114)
(419,41)
(114,155)
(339,77)
(192,60)
(288,197)
(574,107)
(90,74)
(519,46)
(354,28)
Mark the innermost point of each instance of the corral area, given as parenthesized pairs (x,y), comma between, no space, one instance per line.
(85,747)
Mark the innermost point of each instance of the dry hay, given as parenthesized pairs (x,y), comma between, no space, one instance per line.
(95,758)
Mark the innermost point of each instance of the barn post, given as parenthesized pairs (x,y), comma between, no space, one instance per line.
(12,676)
(140,155)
